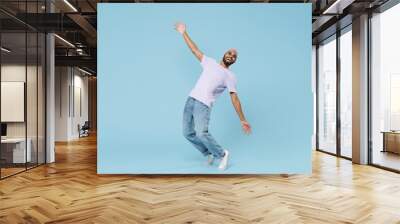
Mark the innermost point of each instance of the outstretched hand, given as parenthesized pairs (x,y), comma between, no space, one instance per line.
(180,27)
(246,127)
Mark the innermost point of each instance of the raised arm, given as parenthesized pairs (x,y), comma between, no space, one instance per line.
(181,28)
(236,104)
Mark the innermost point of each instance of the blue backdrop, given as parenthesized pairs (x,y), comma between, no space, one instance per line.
(146,71)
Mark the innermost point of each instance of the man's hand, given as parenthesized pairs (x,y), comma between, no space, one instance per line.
(238,107)
(246,127)
(180,27)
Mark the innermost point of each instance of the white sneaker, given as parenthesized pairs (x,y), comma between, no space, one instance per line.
(210,159)
(224,161)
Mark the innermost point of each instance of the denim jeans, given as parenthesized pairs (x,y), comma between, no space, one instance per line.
(196,117)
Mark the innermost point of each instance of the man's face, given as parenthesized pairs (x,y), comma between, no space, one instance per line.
(230,57)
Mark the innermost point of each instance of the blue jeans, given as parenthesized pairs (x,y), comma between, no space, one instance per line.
(196,117)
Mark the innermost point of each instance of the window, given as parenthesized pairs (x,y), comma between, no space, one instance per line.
(346,92)
(385,89)
(327,95)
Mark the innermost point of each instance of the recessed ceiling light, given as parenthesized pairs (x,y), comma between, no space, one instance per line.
(70,5)
(84,71)
(5,50)
(64,40)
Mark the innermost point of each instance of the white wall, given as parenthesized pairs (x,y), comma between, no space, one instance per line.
(62,81)
(70,84)
(15,72)
(80,109)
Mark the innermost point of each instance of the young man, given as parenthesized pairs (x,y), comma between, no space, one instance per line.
(214,79)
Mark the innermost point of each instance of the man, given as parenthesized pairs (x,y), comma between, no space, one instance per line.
(214,79)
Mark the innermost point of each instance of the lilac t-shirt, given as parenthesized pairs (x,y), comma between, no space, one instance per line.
(212,82)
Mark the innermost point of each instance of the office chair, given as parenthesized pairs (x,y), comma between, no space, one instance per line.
(84,130)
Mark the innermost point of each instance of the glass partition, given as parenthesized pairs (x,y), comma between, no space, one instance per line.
(22,101)
(14,153)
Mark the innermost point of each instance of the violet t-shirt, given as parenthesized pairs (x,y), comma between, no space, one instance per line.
(212,82)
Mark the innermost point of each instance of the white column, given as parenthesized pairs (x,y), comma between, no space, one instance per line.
(360,90)
(63,99)
(50,92)
(50,79)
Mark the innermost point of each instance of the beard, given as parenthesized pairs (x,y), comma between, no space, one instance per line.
(228,63)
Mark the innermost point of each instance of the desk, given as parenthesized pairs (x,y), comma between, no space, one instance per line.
(17,150)
(391,141)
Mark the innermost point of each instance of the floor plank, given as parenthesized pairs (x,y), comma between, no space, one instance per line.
(70,191)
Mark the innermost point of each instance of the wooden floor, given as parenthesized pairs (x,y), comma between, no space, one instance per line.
(5,172)
(70,191)
(386,159)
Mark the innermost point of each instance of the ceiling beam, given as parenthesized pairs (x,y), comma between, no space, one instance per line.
(338,6)
(84,61)
(86,26)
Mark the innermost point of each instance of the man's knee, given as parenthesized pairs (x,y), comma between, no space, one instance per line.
(188,135)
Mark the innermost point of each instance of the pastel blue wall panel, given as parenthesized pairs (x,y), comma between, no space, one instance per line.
(145,73)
